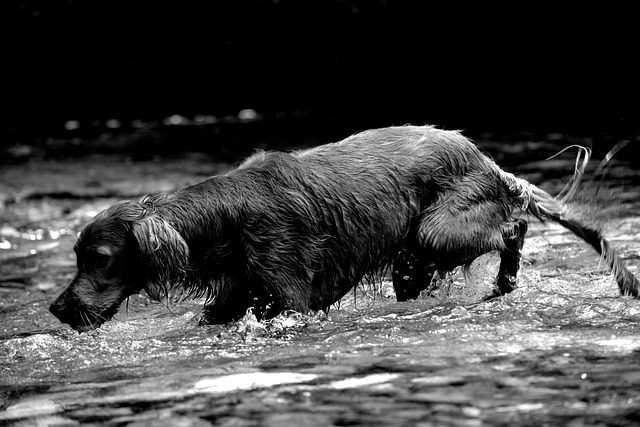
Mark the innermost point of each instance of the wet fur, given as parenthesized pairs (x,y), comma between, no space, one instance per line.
(299,230)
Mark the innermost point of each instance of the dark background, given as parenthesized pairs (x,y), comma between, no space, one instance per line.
(370,62)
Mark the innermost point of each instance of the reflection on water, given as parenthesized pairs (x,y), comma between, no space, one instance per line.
(563,348)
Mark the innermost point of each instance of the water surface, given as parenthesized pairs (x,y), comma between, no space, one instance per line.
(564,348)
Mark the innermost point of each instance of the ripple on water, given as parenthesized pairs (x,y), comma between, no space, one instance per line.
(562,348)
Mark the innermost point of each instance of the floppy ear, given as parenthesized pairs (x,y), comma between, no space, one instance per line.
(164,253)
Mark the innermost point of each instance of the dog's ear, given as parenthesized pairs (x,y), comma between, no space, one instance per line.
(164,254)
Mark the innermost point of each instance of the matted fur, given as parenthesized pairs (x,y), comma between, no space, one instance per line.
(298,230)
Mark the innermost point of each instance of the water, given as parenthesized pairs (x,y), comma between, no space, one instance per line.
(564,348)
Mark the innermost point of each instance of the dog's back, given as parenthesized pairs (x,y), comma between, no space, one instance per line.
(408,149)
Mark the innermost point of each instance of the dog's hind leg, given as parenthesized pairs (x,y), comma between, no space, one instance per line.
(467,222)
(513,233)
(410,275)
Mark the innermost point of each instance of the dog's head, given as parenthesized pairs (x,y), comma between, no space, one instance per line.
(126,248)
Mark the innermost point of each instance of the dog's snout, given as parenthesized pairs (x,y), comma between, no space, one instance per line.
(59,308)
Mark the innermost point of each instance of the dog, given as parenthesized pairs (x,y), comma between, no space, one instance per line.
(298,230)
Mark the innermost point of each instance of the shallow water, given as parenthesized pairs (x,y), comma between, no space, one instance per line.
(564,348)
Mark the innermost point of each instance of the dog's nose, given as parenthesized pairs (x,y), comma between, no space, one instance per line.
(59,308)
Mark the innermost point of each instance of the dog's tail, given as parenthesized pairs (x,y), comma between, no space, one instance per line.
(545,207)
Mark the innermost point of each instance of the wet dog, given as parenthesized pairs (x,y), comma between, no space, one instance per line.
(299,230)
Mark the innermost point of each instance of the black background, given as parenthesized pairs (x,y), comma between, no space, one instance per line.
(383,62)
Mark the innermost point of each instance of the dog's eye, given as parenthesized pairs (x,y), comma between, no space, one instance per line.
(97,260)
